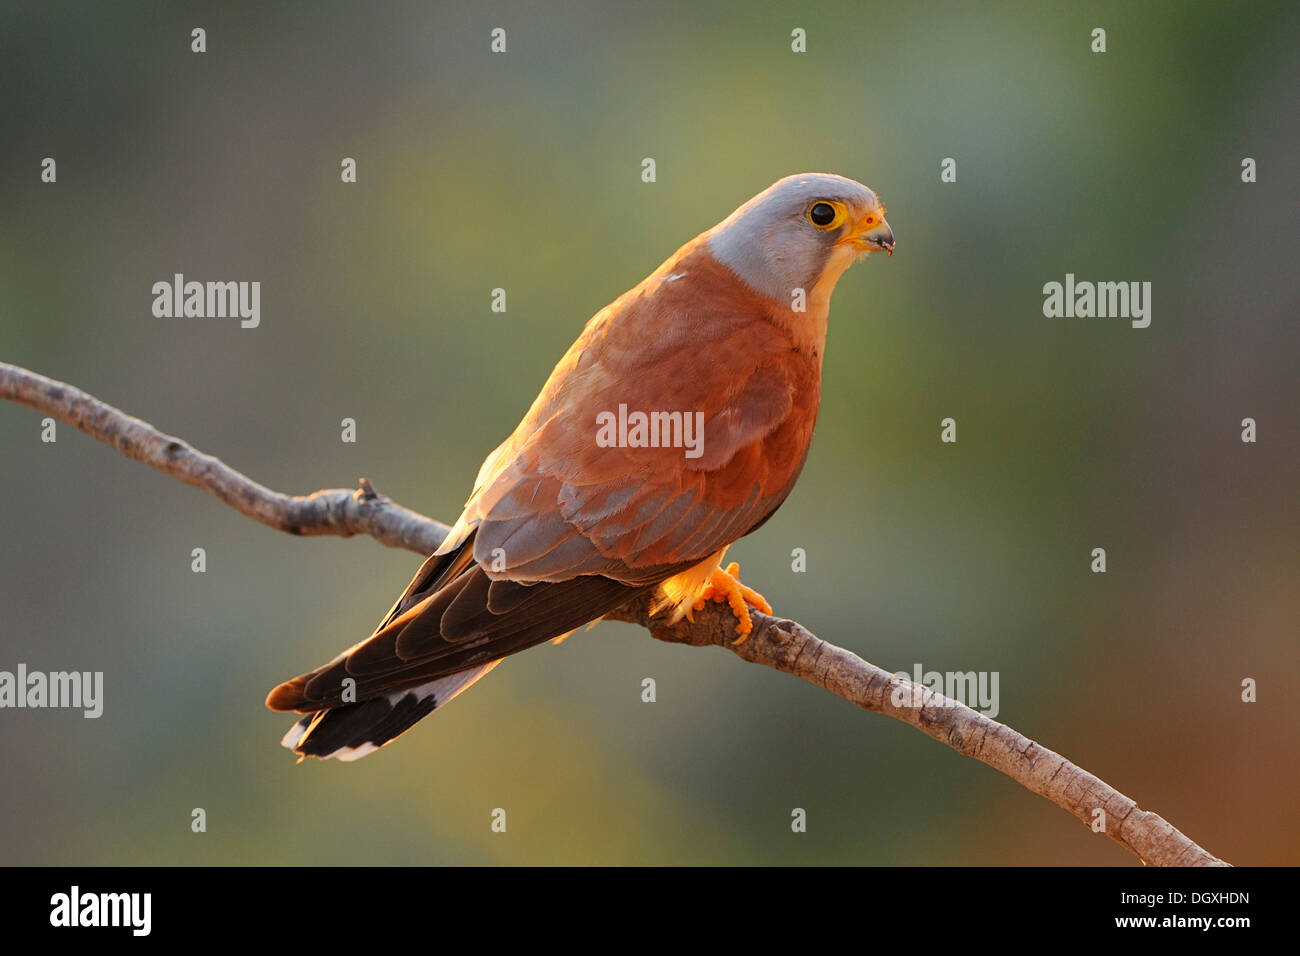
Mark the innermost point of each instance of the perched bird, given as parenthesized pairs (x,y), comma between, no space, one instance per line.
(675,424)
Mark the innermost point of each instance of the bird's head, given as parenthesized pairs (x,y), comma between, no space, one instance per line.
(802,232)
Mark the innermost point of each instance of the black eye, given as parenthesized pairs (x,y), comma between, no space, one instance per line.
(822,214)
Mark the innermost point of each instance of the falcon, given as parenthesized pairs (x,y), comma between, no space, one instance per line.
(570,517)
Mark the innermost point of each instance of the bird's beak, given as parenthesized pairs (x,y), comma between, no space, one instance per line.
(881,238)
(877,237)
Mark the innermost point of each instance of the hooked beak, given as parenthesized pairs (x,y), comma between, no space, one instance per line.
(881,238)
(874,238)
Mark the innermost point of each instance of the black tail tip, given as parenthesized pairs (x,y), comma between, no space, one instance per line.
(353,731)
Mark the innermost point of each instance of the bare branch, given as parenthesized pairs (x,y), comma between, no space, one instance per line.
(780,644)
(338,511)
(792,649)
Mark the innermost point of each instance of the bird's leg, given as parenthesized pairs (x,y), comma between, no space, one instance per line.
(725,585)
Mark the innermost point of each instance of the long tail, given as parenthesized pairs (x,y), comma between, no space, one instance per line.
(355,730)
(452,625)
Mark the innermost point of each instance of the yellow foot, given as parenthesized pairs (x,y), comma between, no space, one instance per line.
(725,586)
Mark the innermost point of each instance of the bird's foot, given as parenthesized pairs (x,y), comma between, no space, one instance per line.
(725,586)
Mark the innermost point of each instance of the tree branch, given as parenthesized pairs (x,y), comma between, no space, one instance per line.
(342,512)
(780,644)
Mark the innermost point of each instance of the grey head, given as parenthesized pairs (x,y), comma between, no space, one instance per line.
(798,229)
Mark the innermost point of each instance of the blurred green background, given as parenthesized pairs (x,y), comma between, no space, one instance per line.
(522,171)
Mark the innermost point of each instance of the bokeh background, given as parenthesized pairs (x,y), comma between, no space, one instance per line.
(522,171)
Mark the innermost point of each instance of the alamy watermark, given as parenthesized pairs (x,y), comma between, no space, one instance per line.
(976,689)
(651,430)
(128,910)
(1102,300)
(208,300)
(79,690)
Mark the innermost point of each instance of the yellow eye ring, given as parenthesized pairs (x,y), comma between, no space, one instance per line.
(827,214)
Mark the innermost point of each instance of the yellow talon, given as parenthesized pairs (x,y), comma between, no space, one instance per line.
(725,586)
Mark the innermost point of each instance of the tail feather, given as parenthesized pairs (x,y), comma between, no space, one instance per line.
(452,625)
(352,731)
